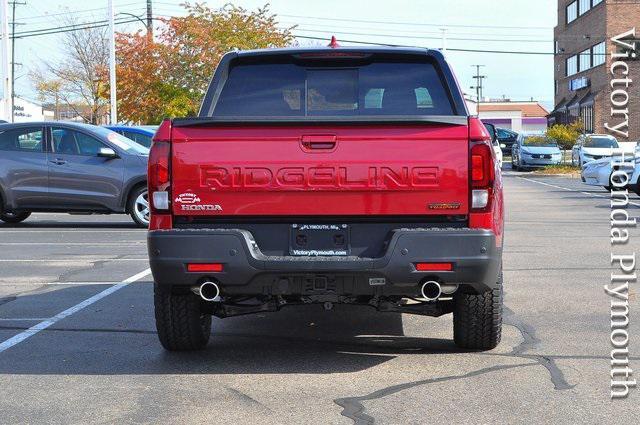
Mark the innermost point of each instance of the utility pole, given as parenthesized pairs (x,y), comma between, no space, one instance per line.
(13,56)
(478,86)
(112,66)
(149,21)
(6,78)
(444,40)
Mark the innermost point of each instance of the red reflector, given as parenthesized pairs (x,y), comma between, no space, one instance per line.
(434,267)
(204,267)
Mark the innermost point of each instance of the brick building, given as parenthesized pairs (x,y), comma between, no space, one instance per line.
(583,60)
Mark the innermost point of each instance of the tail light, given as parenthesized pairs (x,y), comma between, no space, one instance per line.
(159,174)
(482,167)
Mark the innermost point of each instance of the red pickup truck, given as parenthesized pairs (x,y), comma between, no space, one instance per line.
(327,175)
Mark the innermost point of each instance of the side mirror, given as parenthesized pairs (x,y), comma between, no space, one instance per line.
(107,153)
(503,146)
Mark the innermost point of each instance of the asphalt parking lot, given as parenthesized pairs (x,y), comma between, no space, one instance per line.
(77,345)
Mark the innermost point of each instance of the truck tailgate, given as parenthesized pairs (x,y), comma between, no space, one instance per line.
(270,170)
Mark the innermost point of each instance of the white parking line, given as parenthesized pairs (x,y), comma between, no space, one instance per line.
(68,312)
(595,195)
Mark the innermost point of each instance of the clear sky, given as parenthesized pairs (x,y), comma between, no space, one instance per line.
(504,25)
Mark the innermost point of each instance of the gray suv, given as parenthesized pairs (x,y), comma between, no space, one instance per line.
(73,168)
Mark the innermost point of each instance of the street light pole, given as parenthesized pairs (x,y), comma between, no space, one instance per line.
(149,21)
(112,66)
(6,77)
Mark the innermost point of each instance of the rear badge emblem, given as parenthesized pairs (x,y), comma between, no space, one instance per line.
(445,206)
(187,198)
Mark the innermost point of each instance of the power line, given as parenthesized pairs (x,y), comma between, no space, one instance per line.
(418,37)
(450,49)
(77,27)
(329,27)
(68,12)
(416,23)
(99,24)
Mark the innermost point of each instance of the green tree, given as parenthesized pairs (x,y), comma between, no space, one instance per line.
(565,135)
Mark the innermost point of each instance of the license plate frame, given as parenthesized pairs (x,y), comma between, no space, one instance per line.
(319,240)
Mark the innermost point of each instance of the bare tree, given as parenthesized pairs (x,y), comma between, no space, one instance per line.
(80,80)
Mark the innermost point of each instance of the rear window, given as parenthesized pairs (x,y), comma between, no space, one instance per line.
(296,90)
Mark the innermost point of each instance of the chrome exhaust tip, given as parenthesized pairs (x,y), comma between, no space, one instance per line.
(431,290)
(209,291)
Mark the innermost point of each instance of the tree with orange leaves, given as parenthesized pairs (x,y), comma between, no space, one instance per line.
(167,76)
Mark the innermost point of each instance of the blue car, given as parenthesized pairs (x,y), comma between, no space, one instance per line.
(534,151)
(139,134)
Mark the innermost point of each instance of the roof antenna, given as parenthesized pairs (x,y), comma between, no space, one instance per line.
(334,42)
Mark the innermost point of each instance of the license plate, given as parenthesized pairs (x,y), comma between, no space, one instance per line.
(319,239)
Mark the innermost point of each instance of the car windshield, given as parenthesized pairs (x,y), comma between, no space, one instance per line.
(538,141)
(600,142)
(122,142)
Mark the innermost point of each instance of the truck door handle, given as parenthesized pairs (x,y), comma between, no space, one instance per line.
(58,161)
(324,142)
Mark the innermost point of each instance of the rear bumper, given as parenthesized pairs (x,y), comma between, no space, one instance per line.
(473,252)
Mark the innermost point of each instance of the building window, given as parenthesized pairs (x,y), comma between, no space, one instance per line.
(599,54)
(596,2)
(585,5)
(586,116)
(572,65)
(572,12)
(585,60)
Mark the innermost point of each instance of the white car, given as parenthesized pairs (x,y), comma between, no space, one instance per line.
(598,172)
(497,148)
(592,147)
(634,182)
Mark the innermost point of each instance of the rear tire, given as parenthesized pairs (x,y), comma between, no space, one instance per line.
(477,319)
(14,218)
(181,324)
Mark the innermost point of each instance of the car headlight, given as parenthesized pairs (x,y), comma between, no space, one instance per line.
(525,152)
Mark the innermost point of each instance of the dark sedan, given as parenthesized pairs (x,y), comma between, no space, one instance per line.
(506,138)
